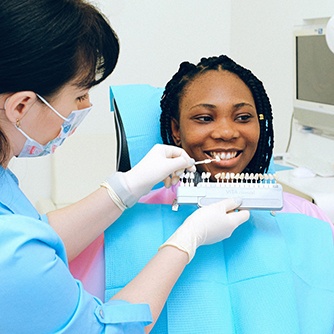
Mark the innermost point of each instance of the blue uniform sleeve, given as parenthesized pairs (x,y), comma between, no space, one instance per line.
(39,295)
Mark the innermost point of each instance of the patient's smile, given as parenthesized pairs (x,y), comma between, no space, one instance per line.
(223,155)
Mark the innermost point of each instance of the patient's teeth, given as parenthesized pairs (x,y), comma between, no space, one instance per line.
(223,155)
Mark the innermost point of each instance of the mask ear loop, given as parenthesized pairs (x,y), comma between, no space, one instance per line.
(50,106)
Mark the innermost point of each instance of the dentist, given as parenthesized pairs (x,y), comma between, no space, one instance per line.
(52,53)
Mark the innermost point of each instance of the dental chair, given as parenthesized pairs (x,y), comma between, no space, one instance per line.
(136,131)
(255,282)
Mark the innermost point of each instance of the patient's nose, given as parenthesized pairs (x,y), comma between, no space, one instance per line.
(225,130)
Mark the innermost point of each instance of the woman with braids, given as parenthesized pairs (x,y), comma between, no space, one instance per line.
(52,53)
(218,108)
(275,273)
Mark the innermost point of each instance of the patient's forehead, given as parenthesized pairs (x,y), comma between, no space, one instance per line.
(217,88)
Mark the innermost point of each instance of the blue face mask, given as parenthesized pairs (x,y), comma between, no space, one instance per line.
(32,148)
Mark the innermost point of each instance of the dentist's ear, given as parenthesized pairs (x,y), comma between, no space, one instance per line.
(330,33)
(18,104)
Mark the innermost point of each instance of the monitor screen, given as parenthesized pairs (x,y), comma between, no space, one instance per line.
(314,69)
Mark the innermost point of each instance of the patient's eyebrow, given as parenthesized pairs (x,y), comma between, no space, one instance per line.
(204,105)
(243,104)
(213,106)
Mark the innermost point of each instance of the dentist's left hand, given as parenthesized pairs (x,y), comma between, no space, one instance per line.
(162,163)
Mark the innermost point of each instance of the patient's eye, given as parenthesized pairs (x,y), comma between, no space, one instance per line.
(244,118)
(204,118)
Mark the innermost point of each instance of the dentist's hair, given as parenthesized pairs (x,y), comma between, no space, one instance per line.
(46,44)
(188,72)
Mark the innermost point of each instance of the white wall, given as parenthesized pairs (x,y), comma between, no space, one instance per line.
(156,36)
(263,42)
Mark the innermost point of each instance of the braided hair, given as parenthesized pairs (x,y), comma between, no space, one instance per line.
(188,72)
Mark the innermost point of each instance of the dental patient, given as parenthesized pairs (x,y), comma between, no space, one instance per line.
(219,110)
(275,273)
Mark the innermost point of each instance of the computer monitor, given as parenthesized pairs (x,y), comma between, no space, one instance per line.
(313,80)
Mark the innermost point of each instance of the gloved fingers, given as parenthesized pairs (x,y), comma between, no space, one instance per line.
(172,179)
(233,220)
(176,166)
(225,226)
(236,218)
(191,168)
(228,204)
(178,152)
(175,179)
(173,151)
(167,182)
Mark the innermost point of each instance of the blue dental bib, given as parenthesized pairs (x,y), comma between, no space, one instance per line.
(275,274)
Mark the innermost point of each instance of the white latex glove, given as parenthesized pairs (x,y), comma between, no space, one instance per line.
(208,225)
(162,163)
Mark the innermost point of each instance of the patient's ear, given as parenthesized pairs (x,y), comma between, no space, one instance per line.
(18,104)
(176,132)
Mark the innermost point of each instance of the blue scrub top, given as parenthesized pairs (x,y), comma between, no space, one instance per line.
(12,199)
(38,294)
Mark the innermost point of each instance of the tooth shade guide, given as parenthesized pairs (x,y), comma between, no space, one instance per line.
(258,191)
(187,179)
(217,176)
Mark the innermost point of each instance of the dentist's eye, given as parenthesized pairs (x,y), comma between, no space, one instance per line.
(83,97)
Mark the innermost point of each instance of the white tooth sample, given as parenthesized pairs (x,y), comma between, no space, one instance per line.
(192,176)
(256,177)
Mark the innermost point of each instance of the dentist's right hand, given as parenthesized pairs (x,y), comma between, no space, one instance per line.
(162,163)
(208,225)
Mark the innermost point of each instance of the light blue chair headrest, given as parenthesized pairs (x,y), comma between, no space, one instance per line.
(137,115)
(139,108)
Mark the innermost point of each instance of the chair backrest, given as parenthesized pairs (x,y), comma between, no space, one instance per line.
(137,121)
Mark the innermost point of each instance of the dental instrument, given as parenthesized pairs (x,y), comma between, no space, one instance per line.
(207,161)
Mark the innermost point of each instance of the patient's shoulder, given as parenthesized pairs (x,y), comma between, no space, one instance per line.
(296,204)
